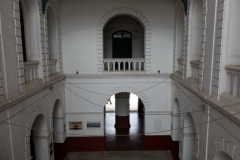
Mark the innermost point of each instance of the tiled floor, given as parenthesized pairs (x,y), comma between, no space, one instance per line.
(124,143)
(121,155)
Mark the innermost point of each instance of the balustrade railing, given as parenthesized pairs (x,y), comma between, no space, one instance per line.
(195,69)
(52,66)
(124,64)
(180,64)
(31,71)
(233,75)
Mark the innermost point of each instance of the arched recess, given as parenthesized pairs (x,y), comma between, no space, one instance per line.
(57,119)
(54,43)
(39,139)
(189,138)
(38,110)
(147,34)
(31,24)
(176,122)
(221,147)
(179,39)
(222,156)
(194,46)
(128,90)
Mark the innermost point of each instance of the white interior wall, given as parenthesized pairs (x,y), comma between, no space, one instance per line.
(158,98)
(79,33)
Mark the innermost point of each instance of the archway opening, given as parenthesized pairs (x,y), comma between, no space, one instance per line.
(123,42)
(222,156)
(39,139)
(175,128)
(189,138)
(58,139)
(124,115)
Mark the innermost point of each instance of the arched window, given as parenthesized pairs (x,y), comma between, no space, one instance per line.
(23,34)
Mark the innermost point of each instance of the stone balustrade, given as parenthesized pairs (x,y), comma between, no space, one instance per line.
(233,75)
(52,66)
(180,64)
(124,64)
(195,68)
(31,71)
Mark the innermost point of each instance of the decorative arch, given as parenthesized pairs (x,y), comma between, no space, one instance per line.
(197,142)
(180,9)
(129,90)
(54,101)
(52,5)
(38,110)
(130,12)
(222,145)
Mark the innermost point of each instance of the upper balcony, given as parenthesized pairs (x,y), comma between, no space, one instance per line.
(124,64)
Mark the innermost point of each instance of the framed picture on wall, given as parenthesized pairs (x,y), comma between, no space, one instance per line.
(93,125)
(75,125)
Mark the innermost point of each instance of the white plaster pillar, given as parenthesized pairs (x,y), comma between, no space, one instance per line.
(122,110)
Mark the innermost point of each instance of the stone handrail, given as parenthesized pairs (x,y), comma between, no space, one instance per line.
(124,64)
(233,73)
(195,68)
(52,66)
(31,70)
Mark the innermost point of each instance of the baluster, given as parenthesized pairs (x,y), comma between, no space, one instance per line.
(108,66)
(119,65)
(35,72)
(139,65)
(235,85)
(229,82)
(30,73)
(129,65)
(124,65)
(134,65)
(25,73)
(114,65)
(197,73)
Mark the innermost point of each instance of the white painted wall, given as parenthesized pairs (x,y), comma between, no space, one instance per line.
(157,100)
(79,33)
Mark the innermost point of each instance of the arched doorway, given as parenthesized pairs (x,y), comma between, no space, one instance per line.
(222,156)
(39,139)
(123,116)
(175,128)
(58,139)
(189,138)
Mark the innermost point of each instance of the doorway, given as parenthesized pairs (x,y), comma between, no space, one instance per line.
(122,46)
(124,139)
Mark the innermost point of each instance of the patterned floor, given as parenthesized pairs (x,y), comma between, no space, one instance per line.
(120,155)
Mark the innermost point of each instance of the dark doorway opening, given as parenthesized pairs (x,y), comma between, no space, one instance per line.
(32,149)
(122,46)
